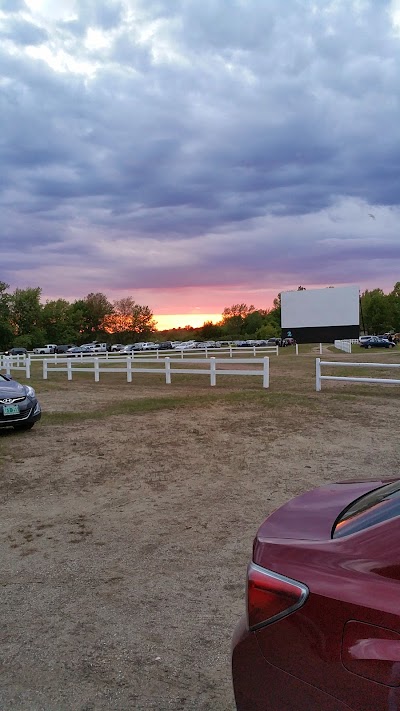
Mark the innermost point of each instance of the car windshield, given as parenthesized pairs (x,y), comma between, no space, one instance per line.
(372,508)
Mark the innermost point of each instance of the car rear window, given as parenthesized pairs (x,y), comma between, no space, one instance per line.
(378,505)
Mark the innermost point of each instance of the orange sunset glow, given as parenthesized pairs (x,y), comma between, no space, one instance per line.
(166,321)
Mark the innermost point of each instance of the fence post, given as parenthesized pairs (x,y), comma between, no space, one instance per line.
(297,349)
(230,351)
(320,348)
(213,379)
(28,368)
(167,362)
(69,370)
(96,370)
(318,374)
(45,369)
(7,364)
(277,350)
(129,370)
(266,372)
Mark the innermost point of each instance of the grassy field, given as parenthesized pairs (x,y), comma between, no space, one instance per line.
(128,515)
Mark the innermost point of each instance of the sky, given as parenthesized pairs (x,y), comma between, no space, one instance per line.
(195,154)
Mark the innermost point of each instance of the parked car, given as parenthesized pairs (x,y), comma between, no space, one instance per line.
(64,348)
(185,346)
(117,347)
(77,351)
(322,629)
(376,342)
(165,346)
(46,350)
(97,347)
(150,346)
(362,339)
(19,407)
(17,351)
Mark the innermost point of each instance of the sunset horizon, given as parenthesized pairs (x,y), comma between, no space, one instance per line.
(174,321)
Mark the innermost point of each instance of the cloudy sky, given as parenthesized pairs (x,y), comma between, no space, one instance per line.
(197,153)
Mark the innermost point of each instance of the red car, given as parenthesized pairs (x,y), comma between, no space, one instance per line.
(322,630)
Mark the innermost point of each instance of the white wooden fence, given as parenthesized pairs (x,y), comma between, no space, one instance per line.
(342,364)
(9,363)
(166,366)
(157,354)
(344,345)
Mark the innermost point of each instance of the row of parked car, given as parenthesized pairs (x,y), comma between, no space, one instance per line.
(191,345)
(71,350)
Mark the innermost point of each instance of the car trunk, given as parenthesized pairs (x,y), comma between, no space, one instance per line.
(312,515)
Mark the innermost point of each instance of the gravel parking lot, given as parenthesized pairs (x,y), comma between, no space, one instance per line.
(128,516)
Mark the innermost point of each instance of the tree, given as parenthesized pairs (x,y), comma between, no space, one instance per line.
(143,320)
(130,319)
(241,310)
(376,311)
(6,330)
(91,313)
(394,306)
(58,322)
(26,317)
(253,322)
(233,319)
(210,331)
(274,316)
(26,310)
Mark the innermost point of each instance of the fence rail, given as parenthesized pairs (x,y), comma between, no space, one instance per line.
(342,364)
(167,367)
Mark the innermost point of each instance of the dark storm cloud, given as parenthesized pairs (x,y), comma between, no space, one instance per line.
(229,135)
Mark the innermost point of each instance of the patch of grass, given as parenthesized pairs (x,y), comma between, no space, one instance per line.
(263,398)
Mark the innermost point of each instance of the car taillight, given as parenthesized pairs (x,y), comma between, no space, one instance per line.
(271,596)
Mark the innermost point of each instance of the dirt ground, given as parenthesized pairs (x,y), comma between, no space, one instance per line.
(125,535)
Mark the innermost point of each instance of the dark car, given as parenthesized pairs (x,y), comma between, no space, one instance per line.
(376,342)
(19,407)
(322,630)
(64,348)
(165,346)
(17,351)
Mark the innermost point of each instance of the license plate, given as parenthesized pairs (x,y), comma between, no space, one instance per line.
(10,410)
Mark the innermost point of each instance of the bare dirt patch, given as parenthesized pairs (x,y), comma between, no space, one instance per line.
(125,539)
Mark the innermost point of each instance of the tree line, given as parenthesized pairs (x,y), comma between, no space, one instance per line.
(25,321)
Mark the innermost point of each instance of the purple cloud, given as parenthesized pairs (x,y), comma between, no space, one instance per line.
(161,145)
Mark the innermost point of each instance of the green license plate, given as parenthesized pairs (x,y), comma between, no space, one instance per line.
(10,409)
